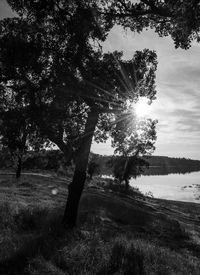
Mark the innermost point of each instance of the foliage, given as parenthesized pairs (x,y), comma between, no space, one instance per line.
(13,135)
(17,134)
(134,138)
(53,65)
(45,160)
(58,85)
(126,168)
(158,165)
(64,75)
(13,131)
(179,19)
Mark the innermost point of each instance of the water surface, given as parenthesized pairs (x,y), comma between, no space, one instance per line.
(181,187)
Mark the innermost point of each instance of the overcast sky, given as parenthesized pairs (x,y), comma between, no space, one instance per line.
(178,97)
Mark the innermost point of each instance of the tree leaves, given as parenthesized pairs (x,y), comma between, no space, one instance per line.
(179,19)
(51,69)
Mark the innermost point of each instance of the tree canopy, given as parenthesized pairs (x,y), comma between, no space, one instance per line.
(53,66)
(179,19)
(58,76)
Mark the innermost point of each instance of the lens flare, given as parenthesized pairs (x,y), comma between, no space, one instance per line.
(142,107)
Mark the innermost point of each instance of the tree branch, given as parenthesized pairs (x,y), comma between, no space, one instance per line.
(133,12)
(157,10)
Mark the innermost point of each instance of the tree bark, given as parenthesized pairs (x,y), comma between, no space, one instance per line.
(19,168)
(76,186)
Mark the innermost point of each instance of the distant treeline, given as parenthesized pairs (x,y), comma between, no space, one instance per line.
(43,160)
(54,160)
(158,165)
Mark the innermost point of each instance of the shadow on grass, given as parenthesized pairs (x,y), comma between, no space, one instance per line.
(29,232)
(115,236)
(135,216)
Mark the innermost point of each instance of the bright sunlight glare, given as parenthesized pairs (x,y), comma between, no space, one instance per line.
(142,108)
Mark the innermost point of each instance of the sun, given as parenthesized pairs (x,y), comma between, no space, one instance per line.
(142,108)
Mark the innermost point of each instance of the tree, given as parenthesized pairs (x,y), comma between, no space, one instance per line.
(133,139)
(125,168)
(17,135)
(133,136)
(52,62)
(14,133)
(133,146)
(179,19)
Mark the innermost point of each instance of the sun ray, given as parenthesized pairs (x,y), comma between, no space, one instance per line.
(142,108)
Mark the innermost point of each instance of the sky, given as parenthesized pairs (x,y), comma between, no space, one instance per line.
(178,90)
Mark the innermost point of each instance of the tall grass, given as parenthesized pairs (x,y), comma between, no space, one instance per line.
(119,256)
(86,250)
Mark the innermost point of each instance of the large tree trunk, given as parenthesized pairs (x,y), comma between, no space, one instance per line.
(76,186)
(19,168)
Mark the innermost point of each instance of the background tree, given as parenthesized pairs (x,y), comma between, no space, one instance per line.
(133,138)
(17,136)
(52,60)
(14,134)
(125,168)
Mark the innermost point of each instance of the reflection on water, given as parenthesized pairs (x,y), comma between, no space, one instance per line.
(182,187)
(166,170)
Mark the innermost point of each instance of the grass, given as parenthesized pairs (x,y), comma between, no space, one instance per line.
(117,234)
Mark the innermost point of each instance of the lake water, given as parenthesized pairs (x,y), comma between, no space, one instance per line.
(181,187)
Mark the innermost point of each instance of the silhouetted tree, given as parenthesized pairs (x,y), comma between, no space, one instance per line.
(14,133)
(17,135)
(51,59)
(133,139)
(125,168)
(52,53)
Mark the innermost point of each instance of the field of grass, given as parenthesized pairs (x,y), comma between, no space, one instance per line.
(116,233)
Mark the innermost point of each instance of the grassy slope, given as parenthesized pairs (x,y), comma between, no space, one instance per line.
(117,234)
